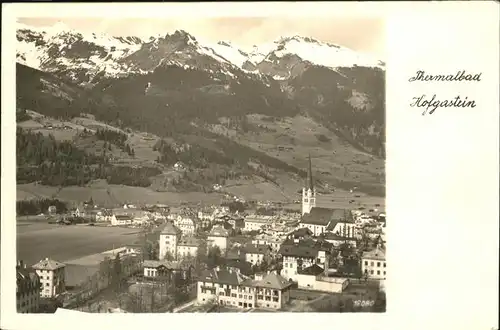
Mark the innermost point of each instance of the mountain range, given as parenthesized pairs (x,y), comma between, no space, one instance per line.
(217,96)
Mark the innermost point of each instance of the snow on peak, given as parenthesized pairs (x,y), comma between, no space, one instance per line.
(322,53)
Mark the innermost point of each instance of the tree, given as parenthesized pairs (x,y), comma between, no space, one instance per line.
(169,256)
(214,257)
(117,273)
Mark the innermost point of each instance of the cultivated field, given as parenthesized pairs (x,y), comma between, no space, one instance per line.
(36,241)
(104,194)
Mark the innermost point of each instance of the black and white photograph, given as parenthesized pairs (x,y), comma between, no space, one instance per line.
(205,165)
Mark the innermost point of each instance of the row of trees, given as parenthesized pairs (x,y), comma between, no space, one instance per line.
(37,206)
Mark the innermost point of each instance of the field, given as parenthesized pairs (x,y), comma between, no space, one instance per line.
(292,139)
(36,241)
(110,195)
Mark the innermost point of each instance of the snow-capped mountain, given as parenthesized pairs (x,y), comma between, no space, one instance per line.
(176,77)
(87,57)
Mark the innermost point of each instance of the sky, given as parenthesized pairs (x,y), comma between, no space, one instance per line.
(362,34)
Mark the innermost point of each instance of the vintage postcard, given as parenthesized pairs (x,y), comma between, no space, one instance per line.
(200,158)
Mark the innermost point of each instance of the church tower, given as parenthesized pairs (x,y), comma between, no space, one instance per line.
(308,192)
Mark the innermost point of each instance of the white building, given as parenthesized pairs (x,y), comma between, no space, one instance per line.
(373,264)
(27,289)
(272,241)
(187,225)
(52,277)
(236,290)
(121,220)
(187,247)
(252,223)
(218,236)
(169,237)
(256,254)
(296,258)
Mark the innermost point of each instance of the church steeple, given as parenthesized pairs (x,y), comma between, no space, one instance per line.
(308,192)
(310,183)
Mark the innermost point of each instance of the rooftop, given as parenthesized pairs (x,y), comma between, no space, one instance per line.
(301,251)
(170,229)
(311,270)
(273,281)
(376,254)
(218,231)
(48,264)
(323,216)
(222,276)
(256,249)
(189,241)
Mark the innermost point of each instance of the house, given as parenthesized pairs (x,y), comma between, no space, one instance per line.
(239,265)
(166,270)
(169,237)
(297,257)
(319,219)
(27,289)
(253,224)
(272,241)
(121,220)
(52,209)
(186,224)
(257,254)
(105,216)
(234,289)
(300,234)
(187,247)
(344,227)
(373,264)
(237,224)
(52,277)
(338,240)
(218,236)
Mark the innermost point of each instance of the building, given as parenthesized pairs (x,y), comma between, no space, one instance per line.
(338,240)
(319,219)
(273,242)
(166,270)
(121,220)
(187,225)
(254,224)
(52,209)
(309,192)
(52,277)
(187,247)
(234,289)
(169,237)
(257,254)
(297,257)
(27,289)
(345,227)
(373,264)
(218,236)
(299,234)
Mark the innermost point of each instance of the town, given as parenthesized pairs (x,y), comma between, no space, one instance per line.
(237,257)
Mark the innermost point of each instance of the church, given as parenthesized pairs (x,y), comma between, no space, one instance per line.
(321,220)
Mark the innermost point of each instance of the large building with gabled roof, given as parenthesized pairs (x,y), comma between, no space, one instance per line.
(169,237)
(52,277)
(230,288)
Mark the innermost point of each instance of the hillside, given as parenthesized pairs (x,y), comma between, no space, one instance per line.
(233,117)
